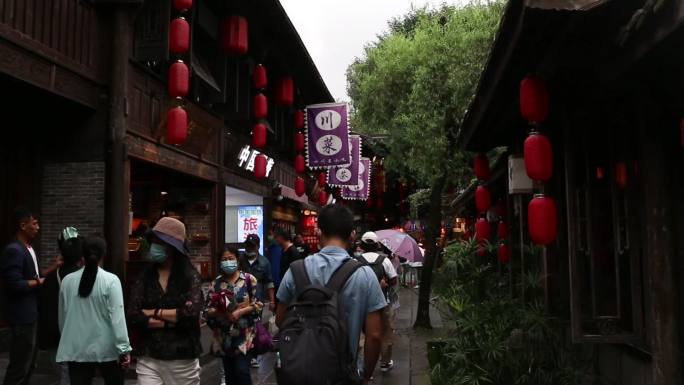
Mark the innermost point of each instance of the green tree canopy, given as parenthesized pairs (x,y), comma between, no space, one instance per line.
(414,85)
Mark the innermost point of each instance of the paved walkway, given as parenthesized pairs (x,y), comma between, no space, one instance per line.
(410,356)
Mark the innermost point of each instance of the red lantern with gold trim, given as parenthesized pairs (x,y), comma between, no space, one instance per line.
(322,198)
(260,166)
(534,99)
(176,126)
(482,230)
(538,157)
(300,186)
(542,220)
(260,106)
(235,35)
(179,80)
(182,5)
(285,92)
(259,135)
(299,142)
(322,179)
(504,253)
(481,167)
(179,36)
(299,119)
(483,199)
(260,77)
(300,164)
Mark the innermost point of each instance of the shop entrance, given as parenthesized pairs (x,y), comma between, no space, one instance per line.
(244,216)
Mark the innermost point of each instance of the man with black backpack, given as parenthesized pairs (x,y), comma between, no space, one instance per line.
(387,277)
(324,302)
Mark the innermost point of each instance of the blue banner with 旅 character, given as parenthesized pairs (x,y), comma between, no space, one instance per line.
(251,221)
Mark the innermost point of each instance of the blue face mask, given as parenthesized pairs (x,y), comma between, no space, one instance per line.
(229,266)
(157,253)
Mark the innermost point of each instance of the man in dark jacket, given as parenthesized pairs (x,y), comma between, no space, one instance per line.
(21,279)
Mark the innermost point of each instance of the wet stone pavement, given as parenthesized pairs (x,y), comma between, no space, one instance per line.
(410,356)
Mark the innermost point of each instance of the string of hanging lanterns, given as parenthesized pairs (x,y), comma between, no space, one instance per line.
(178,77)
(260,113)
(483,201)
(538,155)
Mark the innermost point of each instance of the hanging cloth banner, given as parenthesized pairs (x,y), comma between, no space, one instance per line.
(342,176)
(362,190)
(327,136)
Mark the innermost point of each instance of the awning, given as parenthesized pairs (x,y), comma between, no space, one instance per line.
(564,5)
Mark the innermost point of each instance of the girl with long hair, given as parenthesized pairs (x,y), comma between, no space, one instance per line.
(164,309)
(92,321)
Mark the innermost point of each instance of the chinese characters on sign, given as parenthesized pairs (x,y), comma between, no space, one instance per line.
(347,175)
(246,160)
(327,139)
(250,220)
(362,190)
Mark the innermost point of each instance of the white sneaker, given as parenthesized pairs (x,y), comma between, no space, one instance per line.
(386,366)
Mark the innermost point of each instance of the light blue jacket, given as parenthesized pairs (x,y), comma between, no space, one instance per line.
(93,328)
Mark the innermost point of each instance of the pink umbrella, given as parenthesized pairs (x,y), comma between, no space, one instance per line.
(400,244)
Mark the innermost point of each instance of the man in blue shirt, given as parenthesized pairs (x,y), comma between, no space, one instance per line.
(362,296)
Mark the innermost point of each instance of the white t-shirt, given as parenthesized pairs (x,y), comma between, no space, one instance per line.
(387,264)
(35,259)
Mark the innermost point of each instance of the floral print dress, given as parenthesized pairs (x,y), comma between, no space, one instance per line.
(223,298)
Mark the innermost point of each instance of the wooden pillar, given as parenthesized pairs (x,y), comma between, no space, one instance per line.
(659,252)
(118,179)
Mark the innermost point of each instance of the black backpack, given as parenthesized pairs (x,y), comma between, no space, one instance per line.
(377,266)
(314,340)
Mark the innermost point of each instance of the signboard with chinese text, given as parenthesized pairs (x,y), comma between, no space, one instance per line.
(327,135)
(250,220)
(246,160)
(362,190)
(342,176)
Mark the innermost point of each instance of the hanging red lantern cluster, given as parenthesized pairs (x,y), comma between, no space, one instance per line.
(299,147)
(178,77)
(233,26)
(483,202)
(538,154)
(235,35)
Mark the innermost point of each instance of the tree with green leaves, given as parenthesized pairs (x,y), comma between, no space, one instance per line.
(412,87)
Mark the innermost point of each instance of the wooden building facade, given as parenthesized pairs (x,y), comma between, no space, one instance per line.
(615,79)
(85,107)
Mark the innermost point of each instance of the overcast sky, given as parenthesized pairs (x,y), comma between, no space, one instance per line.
(335,31)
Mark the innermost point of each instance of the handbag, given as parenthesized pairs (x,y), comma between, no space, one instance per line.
(263,340)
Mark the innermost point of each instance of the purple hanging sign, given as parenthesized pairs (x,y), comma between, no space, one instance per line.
(341,176)
(327,136)
(362,190)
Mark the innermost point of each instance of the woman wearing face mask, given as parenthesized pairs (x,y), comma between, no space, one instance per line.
(231,311)
(164,309)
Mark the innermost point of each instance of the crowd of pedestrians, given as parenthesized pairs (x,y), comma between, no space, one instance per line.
(334,308)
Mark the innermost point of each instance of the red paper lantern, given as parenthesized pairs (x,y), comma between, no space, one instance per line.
(235,35)
(260,106)
(260,166)
(621,175)
(179,36)
(299,119)
(542,220)
(481,167)
(322,179)
(504,253)
(534,99)
(176,126)
(300,164)
(259,135)
(502,230)
(300,186)
(323,198)
(259,77)
(482,230)
(299,142)
(179,80)
(285,92)
(483,199)
(538,157)
(182,5)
